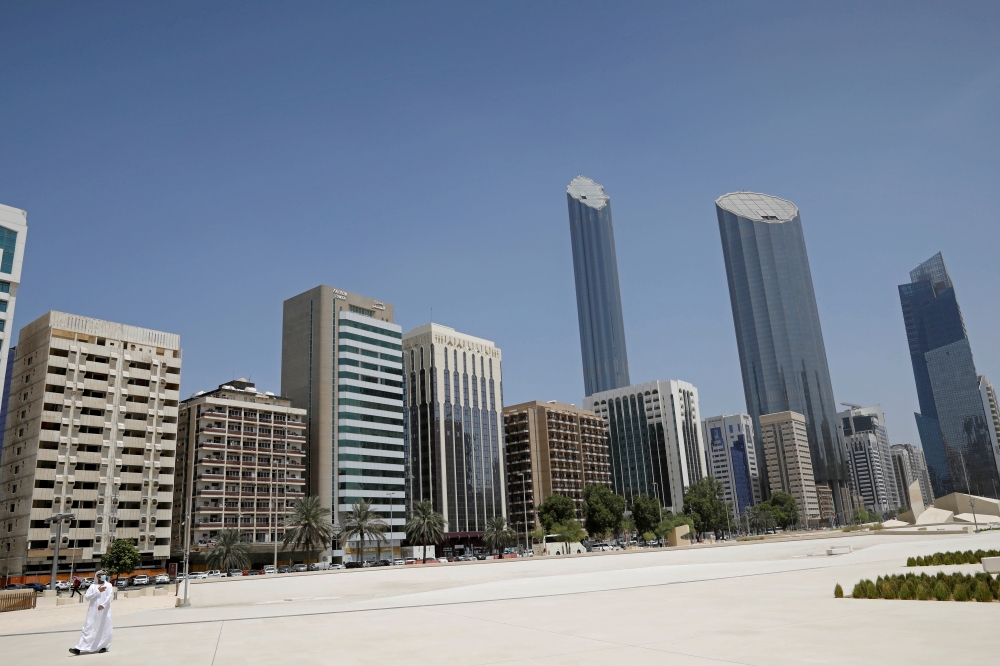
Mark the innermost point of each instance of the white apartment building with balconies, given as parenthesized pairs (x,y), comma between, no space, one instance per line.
(245,453)
(91,430)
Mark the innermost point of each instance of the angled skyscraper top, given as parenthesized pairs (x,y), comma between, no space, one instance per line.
(778,333)
(598,297)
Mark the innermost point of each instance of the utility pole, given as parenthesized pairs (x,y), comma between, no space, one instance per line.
(187,519)
(58,520)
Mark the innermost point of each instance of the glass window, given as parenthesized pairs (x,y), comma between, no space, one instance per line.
(8,240)
(4,287)
(2,324)
(3,306)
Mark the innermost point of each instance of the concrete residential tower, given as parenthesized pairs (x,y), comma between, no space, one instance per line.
(598,297)
(552,448)
(454,429)
(248,453)
(778,333)
(863,432)
(92,431)
(789,466)
(654,439)
(341,360)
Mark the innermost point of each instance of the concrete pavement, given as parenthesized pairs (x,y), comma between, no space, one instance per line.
(749,603)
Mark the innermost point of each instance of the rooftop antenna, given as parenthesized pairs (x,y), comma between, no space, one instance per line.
(851,405)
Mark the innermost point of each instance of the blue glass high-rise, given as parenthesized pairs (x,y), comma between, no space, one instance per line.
(778,333)
(952,421)
(598,297)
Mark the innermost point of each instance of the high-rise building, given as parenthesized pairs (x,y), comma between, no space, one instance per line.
(552,449)
(733,456)
(789,466)
(92,431)
(341,360)
(863,431)
(778,333)
(909,465)
(13,233)
(248,466)
(654,439)
(952,423)
(598,297)
(8,377)
(992,410)
(454,429)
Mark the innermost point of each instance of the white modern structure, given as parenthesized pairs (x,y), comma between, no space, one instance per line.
(992,410)
(654,439)
(92,431)
(733,456)
(909,466)
(248,466)
(341,360)
(863,431)
(454,429)
(13,232)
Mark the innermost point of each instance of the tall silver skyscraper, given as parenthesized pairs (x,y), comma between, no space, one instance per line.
(598,297)
(782,355)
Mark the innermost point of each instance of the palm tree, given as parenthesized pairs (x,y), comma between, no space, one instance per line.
(628,525)
(309,528)
(363,521)
(229,552)
(498,534)
(425,525)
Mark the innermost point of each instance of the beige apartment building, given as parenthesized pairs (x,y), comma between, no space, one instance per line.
(245,452)
(552,448)
(789,464)
(91,431)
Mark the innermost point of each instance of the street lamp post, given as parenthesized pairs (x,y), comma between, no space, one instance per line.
(58,520)
(187,523)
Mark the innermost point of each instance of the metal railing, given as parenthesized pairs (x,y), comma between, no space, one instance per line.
(12,600)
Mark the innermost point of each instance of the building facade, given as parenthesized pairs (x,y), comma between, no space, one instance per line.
(909,465)
(244,453)
(92,431)
(789,466)
(778,332)
(552,449)
(13,234)
(341,361)
(863,431)
(654,439)
(454,429)
(598,296)
(733,459)
(952,422)
(992,411)
(8,377)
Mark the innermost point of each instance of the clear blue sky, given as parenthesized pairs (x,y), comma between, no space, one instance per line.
(241,153)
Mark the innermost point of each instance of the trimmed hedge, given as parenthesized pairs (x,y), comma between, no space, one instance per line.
(942,587)
(956,557)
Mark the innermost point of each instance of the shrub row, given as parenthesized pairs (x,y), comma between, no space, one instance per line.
(943,587)
(957,557)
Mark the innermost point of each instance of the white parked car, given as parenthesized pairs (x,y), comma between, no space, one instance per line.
(269,569)
(141,579)
(214,573)
(62,585)
(298,568)
(162,579)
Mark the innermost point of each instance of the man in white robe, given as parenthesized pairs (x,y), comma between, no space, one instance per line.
(96,634)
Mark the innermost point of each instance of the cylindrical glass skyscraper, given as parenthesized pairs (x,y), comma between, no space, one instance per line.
(782,355)
(598,298)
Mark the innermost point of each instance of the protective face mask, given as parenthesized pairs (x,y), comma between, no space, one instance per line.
(104,579)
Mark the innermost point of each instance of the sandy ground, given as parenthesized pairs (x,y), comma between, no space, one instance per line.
(748,603)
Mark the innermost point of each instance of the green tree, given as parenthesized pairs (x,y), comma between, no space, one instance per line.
(602,510)
(627,527)
(860,517)
(229,552)
(703,501)
(364,523)
(568,532)
(538,534)
(121,558)
(760,518)
(498,534)
(646,513)
(425,526)
(556,509)
(785,509)
(308,529)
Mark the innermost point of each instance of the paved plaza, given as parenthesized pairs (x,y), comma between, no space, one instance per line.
(748,603)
